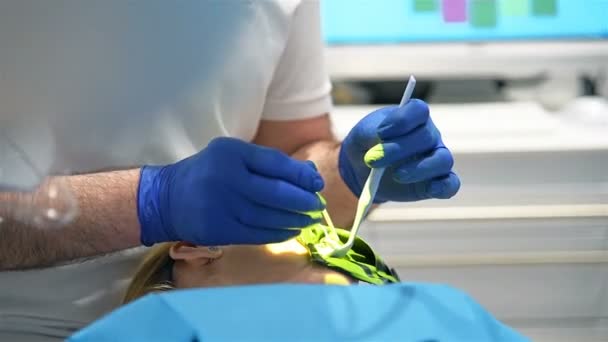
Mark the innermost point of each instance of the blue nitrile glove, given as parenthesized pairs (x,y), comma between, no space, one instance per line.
(407,143)
(232,192)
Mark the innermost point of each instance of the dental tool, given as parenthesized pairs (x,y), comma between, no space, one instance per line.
(331,245)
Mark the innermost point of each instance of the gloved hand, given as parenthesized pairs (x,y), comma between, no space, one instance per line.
(232,192)
(407,143)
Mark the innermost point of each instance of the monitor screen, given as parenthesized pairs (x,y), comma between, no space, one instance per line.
(401,21)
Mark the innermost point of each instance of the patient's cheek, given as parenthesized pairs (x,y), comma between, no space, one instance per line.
(336,279)
(188,276)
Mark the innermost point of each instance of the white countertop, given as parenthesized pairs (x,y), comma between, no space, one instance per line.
(498,127)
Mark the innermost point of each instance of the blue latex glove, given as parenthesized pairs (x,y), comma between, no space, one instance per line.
(232,192)
(407,143)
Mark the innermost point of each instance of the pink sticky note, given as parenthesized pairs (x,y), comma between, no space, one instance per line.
(454,11)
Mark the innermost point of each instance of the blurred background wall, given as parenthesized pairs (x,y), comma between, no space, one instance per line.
(518,89)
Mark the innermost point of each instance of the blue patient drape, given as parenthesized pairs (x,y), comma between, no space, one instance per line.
(289,312)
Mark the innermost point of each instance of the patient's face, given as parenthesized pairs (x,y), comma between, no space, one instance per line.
(286,262)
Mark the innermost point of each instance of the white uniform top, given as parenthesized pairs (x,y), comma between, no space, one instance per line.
(114,84)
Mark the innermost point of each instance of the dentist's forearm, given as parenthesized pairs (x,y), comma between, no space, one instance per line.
(106,221)
(341,202)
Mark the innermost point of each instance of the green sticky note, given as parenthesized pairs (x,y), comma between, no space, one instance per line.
(514,8)
(483,13)
(544,7)
(425,5)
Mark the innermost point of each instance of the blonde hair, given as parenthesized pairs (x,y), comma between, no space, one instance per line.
(153,274)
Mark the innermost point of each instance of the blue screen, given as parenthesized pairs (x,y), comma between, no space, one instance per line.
(396,21)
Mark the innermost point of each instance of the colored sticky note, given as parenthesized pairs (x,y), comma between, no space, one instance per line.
(483,13)
(425,5)
(514,8)
(544,7)
(454,10)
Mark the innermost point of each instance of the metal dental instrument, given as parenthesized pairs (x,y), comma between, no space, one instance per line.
(366,199)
